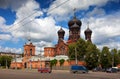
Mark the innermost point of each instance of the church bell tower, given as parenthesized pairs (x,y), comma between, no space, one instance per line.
(74,29)
(88,33)
(61,34)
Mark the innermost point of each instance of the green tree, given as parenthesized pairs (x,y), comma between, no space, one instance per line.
(61,62)
(53,62)
(115,57)
(86,51)
(105,57)
(92,56)
(71,52)
(5,61)
(79,47)
(118,53)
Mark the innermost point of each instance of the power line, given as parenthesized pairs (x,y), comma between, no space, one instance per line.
(59,5)
(36,12)
(34,19)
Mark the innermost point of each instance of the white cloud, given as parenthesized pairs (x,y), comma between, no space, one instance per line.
(40,46)
(106,30)
(14,4)
(96,12)
(29,10)
(5,37)
(2,23)
(13,50)
(2,20)
(43,31)
(39,29)
(67,9)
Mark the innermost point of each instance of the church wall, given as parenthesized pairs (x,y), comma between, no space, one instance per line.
(69,63)
(66,63)
(61,49)
(73,62)
(36,64)
(49,51)
(16,65)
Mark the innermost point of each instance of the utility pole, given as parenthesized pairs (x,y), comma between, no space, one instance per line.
(15,62)
(6,64)
(112,59)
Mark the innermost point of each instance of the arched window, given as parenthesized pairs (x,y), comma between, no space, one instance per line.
(30,51)
(62,50)
(25,53)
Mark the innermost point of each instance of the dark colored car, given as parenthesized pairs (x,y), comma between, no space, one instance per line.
(44,70)
(111,70)
(97,69)
(78,69)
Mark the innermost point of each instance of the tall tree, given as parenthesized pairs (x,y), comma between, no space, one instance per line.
(119,53)
(92,56)
(106,57)
(78,48)
(81,49)
(5,61)
(115,57)
(71,52)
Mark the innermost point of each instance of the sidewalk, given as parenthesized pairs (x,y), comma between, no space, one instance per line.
(60,70)
(33,70)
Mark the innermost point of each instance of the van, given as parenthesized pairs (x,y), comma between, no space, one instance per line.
(78,69)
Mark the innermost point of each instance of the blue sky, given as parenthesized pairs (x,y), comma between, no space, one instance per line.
(41,19)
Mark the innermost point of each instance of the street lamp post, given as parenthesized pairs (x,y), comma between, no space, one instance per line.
(105,64)
(40,59)
(76,61)
(84,57)
(30,64)
(112,59)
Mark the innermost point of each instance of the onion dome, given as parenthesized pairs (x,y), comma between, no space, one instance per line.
(88,30)
(61,31)
(75,26)
(73,21)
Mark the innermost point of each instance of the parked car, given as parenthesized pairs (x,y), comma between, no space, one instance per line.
(111,70)
(44,70)
(78,69)
(97,69)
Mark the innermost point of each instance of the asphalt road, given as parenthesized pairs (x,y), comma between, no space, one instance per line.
(56,74)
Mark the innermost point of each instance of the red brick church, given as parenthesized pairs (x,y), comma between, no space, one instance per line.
(61,48)
(59,51)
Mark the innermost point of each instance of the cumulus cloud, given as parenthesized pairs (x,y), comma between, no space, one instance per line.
(2,20)
(13,50)
(67,8)
(96,12)
(2,24)
(39,29)
(14,4)
(5,36)
(43,30)
(106,30)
